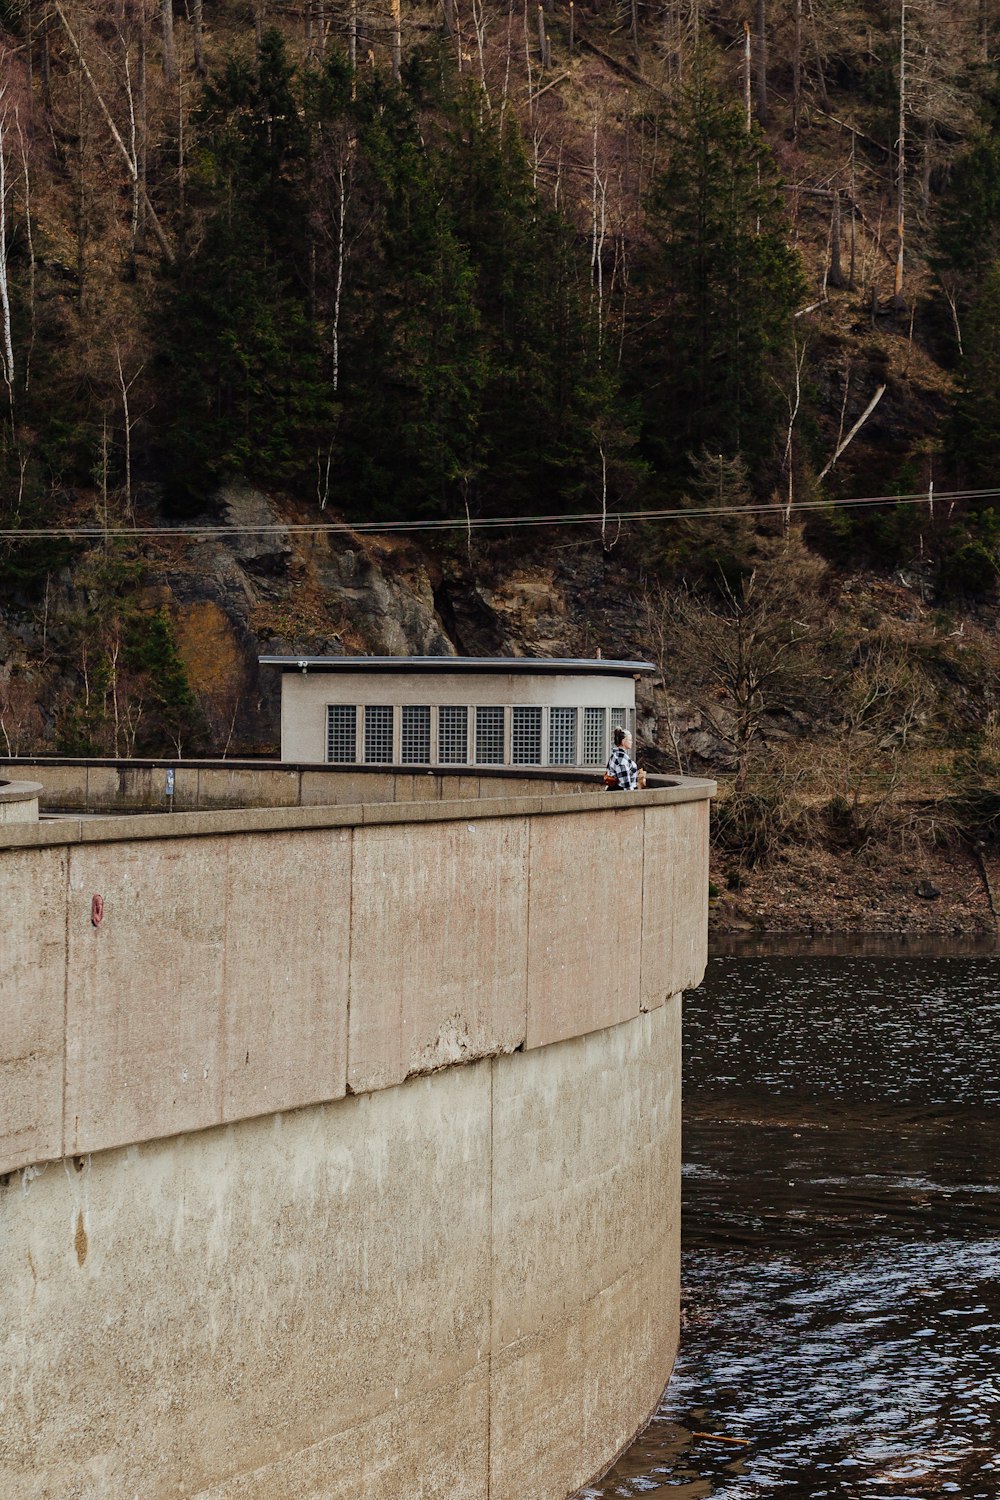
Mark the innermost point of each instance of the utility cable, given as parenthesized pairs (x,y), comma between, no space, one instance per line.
(97,532)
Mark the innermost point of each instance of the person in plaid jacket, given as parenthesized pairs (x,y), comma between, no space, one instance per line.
(621,765)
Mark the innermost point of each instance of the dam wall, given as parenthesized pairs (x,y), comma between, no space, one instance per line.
(340,1144)
(99,785)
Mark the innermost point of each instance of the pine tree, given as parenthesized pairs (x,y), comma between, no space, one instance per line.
(554,429)
(721,285)
(968,236)
(393,299)
(413,367)
(974,437)
(244,386)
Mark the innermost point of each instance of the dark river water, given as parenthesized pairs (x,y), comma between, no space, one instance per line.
(841,1260)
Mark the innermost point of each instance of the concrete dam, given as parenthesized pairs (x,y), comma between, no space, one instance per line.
(339,1128)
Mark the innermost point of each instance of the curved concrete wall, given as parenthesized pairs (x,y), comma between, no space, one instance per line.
(403,1277)
(104,786)
(19,801)
(462,1287)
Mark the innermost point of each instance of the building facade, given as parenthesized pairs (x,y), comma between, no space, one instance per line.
(454,711)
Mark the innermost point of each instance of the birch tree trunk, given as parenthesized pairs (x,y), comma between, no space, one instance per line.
(794,403)
(129,423)
(599,199)
(181,163)
(133,138)
(851,280)
(338,285)
(8,344)
(81,196)
(479,27)
(897,283)
(156,226)
(141,156)
(397,41)
(29,236)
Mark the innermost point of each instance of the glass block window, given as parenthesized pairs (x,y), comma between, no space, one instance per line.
(341,732)
(378,733)
(526,736)
(453,736)
(489,735)
(416,742)
(562,736)
(593,736)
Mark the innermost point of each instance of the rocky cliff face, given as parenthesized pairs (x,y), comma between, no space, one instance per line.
(256,580)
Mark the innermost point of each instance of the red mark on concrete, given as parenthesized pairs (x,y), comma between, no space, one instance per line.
(97,910)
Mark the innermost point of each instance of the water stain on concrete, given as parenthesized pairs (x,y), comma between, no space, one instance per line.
(80,1239)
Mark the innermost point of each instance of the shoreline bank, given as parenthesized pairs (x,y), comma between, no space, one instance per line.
(806,890)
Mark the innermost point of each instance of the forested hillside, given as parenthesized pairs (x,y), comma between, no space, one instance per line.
(320,262)
(519,260)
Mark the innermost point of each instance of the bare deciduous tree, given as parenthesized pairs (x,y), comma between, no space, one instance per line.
(897,283)
(20,714)
(883,699)
(169,47)
(130,161)
(760,71)
(7,349)
(749,639)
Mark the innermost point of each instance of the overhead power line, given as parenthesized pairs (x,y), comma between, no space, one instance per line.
(96,532)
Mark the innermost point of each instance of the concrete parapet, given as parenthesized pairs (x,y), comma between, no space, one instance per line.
(585,923)
(288,956)
(145,991)
(103,786)
(248,962)
(19,801)
(214,988)
(674,947)
(222,786)
(32,1004)
(438,937)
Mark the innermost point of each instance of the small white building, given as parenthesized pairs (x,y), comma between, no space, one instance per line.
(453,710)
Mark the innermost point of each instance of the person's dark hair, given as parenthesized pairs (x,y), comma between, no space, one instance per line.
(620,736)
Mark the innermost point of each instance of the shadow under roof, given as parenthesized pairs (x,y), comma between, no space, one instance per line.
(564,666)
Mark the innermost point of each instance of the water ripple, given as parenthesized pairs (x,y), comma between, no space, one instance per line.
(841,1324)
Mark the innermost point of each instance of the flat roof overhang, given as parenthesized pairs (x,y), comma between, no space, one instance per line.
(587,666)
